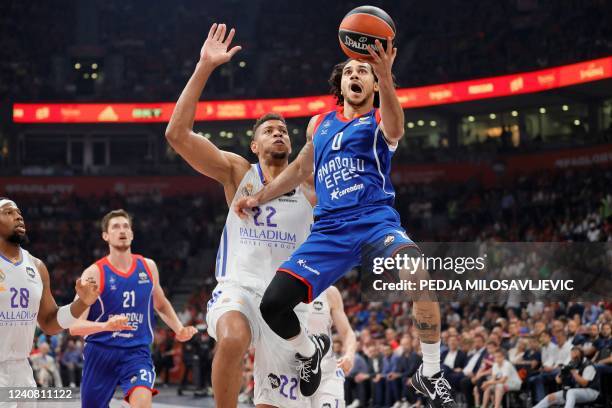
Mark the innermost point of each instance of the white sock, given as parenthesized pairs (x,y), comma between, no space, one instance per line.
(303,345)
(431,358)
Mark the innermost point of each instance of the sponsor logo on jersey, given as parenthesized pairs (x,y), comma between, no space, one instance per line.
(112,281)
(389,240)
(143,277)
(274,381)
(30,272)
(363,121)
(317,305)
(337,193)
(302,263)
(247,190)
(133,379)
(339,169)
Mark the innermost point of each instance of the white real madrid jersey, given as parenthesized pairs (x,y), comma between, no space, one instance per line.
(20,292)
(252,249)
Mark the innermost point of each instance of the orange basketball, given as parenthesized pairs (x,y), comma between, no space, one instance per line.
(361,27)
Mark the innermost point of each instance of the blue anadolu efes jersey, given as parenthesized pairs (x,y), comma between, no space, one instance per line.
(352,162)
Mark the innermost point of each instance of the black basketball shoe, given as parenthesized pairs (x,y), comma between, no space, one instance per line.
(436,389)
(309,368)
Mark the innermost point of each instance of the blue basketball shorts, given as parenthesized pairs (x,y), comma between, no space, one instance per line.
(336,245)
(106,367)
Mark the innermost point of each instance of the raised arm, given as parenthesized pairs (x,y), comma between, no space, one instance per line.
(341,322)
(53,319)
(198,151)
(296,173)
(391,112)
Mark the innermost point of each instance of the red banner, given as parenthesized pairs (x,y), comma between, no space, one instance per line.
(453,92)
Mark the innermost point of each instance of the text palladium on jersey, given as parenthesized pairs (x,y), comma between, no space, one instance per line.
(478,284)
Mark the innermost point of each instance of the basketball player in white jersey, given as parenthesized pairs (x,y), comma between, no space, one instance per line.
(25,299)
(326,311)
(250,250)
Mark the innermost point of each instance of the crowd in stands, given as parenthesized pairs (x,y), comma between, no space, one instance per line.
(147,50)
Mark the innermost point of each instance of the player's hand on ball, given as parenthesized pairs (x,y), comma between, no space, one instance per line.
(186,333)
(88,291)
(215,48)
(346,364)
(382,60)
(117,323)
(243,204)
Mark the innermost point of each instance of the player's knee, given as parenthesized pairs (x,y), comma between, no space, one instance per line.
(232,346)
(233,333)
(281,296)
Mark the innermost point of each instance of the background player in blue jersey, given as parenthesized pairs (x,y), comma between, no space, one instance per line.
(350,153)
(117,349)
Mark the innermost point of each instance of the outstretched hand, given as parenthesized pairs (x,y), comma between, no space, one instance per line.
(215,48)
(382,60)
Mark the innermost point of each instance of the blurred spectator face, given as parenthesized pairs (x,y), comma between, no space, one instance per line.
(371,350)
(444,337)
(594,331)
(557,326)
(534,343)
(452,331)
(499,357)
(406,343)
(479,342)
(491,347)
(513,329)
(466,345)
(390,334)
(453,343)
(495,337)
(387,350)
(561,337)
(119,233)
(70,345)
(544,339)
(521,345)
(539,327)
(606,330)
(572,327)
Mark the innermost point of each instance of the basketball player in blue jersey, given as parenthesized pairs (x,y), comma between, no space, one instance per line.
(250,250)
(350,152)
(117,350)
(26,299)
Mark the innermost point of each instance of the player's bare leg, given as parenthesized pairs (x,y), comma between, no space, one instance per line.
(429,379)
(141,398)
(233,340)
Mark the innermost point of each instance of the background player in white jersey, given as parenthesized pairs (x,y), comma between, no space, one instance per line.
(25,299)
(326,311)
(250,250)
(118,353)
